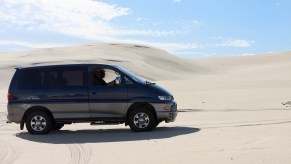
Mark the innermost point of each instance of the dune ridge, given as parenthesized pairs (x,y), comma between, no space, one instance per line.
(232,110)
(148,62)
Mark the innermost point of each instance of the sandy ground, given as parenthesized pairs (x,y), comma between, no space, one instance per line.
(231,111)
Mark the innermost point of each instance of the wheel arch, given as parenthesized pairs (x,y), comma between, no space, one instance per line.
(37,108)
(139,105)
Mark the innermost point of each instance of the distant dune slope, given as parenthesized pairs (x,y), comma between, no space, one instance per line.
(273,66)
(148,62)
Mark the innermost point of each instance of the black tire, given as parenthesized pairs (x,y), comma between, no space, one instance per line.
(157,123)
(147,120)
(38,122)
(58,126)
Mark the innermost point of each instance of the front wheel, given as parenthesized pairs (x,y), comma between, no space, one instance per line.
(141,120)
(38,122)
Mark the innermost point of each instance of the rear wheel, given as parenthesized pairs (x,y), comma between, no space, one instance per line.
(141,120)
(38,122)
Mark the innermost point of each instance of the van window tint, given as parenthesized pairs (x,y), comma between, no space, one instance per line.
(72,78)
(32,79)
(52,78)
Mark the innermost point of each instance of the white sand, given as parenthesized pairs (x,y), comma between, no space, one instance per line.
(232,110)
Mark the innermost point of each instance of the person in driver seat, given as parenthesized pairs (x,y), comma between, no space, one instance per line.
(98,79)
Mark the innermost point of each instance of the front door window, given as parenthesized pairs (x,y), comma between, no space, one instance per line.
(105,77)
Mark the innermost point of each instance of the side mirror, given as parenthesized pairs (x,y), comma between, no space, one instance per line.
(117,80)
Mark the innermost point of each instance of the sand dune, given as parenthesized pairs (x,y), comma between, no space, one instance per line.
(233,110)
(148,62)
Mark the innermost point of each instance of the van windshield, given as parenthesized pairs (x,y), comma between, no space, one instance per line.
(132,75)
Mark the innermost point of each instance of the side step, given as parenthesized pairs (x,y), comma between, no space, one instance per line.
(105,123)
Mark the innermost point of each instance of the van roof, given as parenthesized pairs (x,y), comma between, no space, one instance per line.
(62,65)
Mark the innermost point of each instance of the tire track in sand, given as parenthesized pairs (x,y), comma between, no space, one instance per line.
(8,154)
(80,153)
(2,119)
(3,152)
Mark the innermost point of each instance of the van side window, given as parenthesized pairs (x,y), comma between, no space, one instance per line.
(102,77)
(32,79)
(52,78)
(72,78)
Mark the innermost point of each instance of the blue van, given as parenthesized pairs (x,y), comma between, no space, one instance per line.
(45,98)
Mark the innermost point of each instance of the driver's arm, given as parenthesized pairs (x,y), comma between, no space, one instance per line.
(112,83)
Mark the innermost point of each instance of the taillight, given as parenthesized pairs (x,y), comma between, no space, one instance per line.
(9,96)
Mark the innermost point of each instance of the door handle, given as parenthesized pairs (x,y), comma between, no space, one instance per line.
(93,93)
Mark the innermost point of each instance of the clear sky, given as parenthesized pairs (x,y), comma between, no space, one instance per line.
(185,28)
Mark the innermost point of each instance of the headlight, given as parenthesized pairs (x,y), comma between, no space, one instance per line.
(166,98)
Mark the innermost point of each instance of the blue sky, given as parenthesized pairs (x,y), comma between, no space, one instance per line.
(185,28)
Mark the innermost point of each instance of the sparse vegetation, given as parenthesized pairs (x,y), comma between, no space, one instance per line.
(287,104)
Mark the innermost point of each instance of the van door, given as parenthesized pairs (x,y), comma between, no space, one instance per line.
(107,99)
(67,94)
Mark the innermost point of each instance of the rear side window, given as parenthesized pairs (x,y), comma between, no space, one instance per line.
(73,78)
(32,79)
(53,78)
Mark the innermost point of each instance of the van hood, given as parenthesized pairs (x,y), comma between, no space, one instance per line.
(160,91)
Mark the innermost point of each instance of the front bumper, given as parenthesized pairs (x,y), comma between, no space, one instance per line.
(168,115)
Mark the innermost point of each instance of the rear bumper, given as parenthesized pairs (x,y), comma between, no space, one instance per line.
(166,115)
(9,114)
(15,113)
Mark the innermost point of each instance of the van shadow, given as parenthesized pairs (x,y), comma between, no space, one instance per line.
(101,136)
